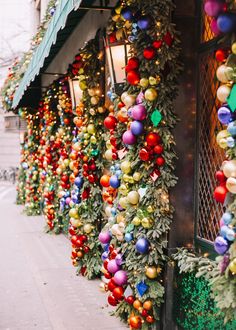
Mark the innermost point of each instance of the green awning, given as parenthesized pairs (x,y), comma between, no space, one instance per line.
(57,23)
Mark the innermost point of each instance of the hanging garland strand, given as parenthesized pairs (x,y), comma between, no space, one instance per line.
(135,258)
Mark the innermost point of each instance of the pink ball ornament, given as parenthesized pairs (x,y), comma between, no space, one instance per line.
(213,7)
(112,266)
(120,277)
(129,138)
(104,237)
(140,98)
(139,112)
(214,27)
(68,200)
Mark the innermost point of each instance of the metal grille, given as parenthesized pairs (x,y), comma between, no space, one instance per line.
(210,155)
(206,33)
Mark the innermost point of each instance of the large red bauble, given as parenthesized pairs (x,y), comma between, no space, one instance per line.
(144,154)
(220,177)
(130,300)
(112,300)
(110,122)
(149,53)
(153,139)
(111,285)
(133,63)
(118,292)
(78,243)
(135,322)
(73,239)
(133,77)
(157,44)
(220,194)
(221,55)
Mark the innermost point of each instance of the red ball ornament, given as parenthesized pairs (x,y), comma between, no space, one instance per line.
(160,161)
(150,319)
(158,149)
(86,249)
(153,139)
(149,53)
(157,44)
(135,322)
(130,300)
(144,313)
(74,239)
(118,292)
(112,38)
(108,275)
(78,243)
(220,177)
(91,178)
(110,122)
(112,300)
(133,77)
(111,285)
(144,155)
(133,63)
(168,39)
(220,194)
(221,55)
(72,230)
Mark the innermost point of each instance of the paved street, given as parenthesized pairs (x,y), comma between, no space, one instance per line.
(38,286)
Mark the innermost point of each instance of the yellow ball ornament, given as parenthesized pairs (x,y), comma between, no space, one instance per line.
(123,202)
(144,82)
(123,190)
(136,221)
(133,197)
(232,266)
(221,138)
(91,129)
(151,272)
(108,154)
(150,94)
(125,167)
(73,213)
(137,176)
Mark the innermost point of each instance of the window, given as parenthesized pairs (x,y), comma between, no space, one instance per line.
(209,156)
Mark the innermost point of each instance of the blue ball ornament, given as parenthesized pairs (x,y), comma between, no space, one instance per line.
(226,22)
(79,182)
(128,237)
(224,115)
(227,217)
(118,173)
(114,181)
(117,166)
(142,245)
(144,22)
(105,255)
(232,128)
(136,127)
(230,235)
(127,14)
(223,231)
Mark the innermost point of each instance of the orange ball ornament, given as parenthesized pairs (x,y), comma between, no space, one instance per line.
(147,305)
(105,181)
(137,304)
(135,322)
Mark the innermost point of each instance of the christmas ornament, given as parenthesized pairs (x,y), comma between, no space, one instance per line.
(142,245)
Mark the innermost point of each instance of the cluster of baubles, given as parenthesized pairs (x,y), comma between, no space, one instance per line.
(226,190)
(223,21)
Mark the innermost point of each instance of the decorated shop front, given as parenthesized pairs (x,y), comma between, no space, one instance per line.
(102,153)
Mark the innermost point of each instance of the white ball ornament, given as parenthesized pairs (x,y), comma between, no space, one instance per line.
(231,185)
(229,168)
(129,100)
(224,73)
(223,92)
(108,154)
(123,96)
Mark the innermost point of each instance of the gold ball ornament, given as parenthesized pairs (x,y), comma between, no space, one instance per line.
(125,167)
(150,94)
(123,96)
(88,228)
(229,168)
(136,221)
(133,197)
(233,48)
(73,213)
(150,209)
(147,223)
(66,162)
(93,140)
(101,109)
(223,92)
(137,176)
(123,202)
(94,100)
(152,81)
(82,85)
(91,92)
(123,190)
(151,272)
(129,100)
(232,266)
(144,82)
(221,139)
(91,129)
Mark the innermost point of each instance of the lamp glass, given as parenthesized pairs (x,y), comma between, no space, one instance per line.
(75,92)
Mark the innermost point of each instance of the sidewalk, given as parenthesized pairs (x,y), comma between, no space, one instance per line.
(38,285)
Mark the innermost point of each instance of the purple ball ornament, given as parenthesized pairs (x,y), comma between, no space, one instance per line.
(140,98)
(213,7)
(120,277)
(68,200)
(144,22)
(119,259)
(114,182)
(129,138)
(104,237)
(224,115)
(112,266)
(139,112)
(214,27)
(220,245)
(226,22)
(136,127)
(142,245)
